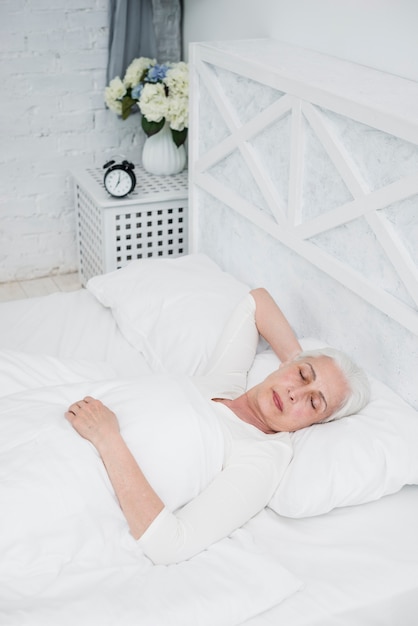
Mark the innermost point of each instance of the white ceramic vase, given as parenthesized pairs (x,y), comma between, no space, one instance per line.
(160,154)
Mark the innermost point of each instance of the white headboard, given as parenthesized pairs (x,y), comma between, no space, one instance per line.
(304,179)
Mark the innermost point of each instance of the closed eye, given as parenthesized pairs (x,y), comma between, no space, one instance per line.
(306,373)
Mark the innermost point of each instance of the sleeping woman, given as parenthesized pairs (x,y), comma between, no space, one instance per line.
(308,388)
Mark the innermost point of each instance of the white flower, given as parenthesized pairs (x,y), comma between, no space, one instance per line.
(161,94)
(153,102)
(136,70)
(177,80)
(114,94)
(177,113)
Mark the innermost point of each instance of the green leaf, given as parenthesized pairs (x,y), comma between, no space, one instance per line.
(151,128)
(179,136)
(127,104)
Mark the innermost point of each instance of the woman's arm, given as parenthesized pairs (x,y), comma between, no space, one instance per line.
(138,501)
(237,493)
(242,489)
(274,327)
(227,369)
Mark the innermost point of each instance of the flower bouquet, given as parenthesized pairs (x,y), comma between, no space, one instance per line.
(161,93)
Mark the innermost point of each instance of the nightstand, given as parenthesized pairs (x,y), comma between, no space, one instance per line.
(151,222)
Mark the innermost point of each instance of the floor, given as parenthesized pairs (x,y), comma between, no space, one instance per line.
(38,287)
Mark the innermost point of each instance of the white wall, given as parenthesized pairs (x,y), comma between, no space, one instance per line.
(53,60)
(379,33)
(53,56)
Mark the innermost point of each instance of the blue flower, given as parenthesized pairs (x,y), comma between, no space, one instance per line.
(136,91)
(157,73)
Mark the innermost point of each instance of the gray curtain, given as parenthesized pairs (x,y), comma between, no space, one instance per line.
(167,17)
(150,28)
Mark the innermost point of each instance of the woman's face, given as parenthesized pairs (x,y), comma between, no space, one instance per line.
(298,394)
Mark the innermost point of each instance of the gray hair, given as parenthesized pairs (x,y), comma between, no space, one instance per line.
(356,378)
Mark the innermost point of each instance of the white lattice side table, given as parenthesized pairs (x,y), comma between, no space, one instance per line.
(151,222)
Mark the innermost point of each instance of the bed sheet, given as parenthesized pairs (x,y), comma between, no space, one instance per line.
(359,564)
(68,325)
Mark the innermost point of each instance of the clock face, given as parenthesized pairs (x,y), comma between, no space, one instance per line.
(118,182)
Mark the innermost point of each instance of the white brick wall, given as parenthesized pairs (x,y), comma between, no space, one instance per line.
(53,56)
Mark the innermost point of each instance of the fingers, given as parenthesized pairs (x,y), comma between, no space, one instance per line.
(80,404)
(92,420)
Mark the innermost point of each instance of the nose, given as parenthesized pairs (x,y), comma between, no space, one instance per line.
(292,395)
(295,394)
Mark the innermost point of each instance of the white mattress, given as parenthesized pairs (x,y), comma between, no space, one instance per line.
(358,565)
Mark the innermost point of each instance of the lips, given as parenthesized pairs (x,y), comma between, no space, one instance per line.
(277,401)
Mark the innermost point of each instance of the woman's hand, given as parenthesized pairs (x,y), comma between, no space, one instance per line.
(99,425)
(93,420)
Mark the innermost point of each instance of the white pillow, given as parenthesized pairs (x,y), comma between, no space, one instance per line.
(354,460)
(171,310)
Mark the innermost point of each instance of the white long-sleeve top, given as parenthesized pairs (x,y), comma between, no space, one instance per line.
(253,462)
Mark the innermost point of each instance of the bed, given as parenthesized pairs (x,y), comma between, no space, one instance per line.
(282,195)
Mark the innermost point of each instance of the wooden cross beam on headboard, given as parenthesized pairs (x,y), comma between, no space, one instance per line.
(320,154)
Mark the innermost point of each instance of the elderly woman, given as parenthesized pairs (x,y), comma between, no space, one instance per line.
(308,388)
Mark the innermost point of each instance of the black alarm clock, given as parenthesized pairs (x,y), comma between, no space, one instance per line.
(119,179)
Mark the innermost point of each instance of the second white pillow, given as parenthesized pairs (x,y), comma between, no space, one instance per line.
(171,310)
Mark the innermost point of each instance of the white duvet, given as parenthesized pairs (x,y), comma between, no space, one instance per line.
(66,555)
